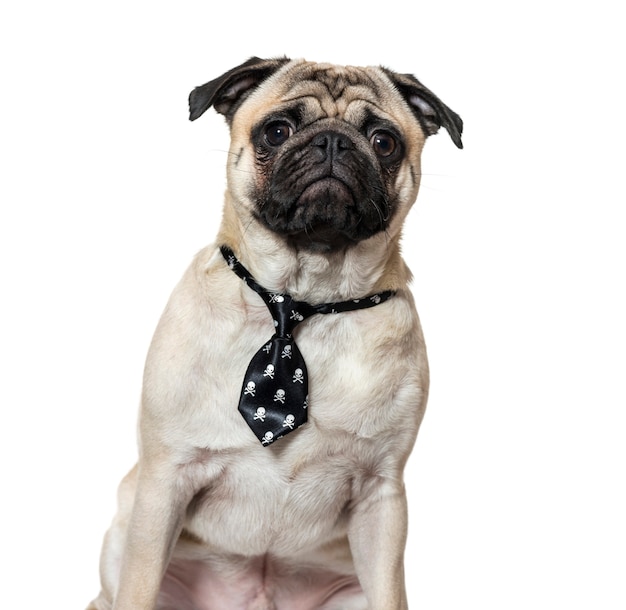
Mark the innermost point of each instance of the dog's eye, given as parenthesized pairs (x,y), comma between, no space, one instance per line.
(277,133)
(383,143)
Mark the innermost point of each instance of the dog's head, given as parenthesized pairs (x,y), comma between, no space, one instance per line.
(324,156)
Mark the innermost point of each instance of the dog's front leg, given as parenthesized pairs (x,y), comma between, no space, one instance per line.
(153,530)
(377,534)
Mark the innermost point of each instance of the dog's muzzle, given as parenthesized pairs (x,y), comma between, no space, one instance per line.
(325,193)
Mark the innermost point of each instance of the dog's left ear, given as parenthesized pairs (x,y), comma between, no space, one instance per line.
(228,91)
(430,111)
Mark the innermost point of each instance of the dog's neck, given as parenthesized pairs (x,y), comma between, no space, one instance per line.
(362,269)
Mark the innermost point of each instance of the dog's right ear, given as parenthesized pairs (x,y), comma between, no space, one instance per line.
(227,92)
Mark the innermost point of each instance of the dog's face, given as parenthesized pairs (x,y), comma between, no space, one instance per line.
(324,156)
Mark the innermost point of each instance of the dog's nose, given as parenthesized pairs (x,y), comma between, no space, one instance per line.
(332,144)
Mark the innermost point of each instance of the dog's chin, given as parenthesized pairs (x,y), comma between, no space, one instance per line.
(320,238)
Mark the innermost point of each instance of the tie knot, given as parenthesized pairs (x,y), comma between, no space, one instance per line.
(286,312)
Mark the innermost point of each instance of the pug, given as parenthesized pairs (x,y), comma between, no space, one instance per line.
(221,513)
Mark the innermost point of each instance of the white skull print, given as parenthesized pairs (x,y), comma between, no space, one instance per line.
(279,396)
(250,388)
(269,371)
(260,413)
(289,421)
(298,376)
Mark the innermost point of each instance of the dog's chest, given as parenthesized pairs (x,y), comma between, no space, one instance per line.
(281,502)
(355,370)
(293,495)
(365,401)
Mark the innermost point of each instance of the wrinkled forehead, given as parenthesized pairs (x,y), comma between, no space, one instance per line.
(329,91)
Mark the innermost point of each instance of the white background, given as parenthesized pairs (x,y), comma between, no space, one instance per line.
(517,483)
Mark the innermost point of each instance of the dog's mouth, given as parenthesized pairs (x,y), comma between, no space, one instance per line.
(329,191)
(327,214)
(323,217)
(321,210)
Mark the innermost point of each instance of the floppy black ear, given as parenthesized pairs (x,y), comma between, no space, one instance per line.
(226,92)
(430,111)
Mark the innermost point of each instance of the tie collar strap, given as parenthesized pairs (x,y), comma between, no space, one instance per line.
(304,309)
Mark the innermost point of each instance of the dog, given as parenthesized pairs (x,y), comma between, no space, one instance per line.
(323,167)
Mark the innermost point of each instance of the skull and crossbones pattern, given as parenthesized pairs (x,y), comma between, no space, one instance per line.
(269,371)
(268,437)
(280,396)
(289,422)
(260,414)
(298,376)
(286,353)
(295,315)
(250,388)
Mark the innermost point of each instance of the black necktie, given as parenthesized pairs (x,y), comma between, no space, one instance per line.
(275,388)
